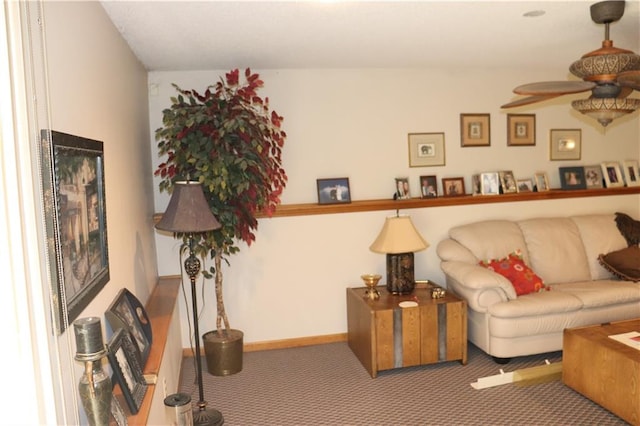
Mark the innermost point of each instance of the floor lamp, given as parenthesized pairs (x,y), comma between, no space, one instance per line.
(189,213)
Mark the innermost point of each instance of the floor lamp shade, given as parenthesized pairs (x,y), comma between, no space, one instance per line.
(188,210)
(398,239)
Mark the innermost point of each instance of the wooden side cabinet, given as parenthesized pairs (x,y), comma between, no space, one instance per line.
(384,335)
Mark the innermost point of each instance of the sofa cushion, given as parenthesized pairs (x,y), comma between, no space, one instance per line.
(537,305)
(556,251)
(629,228)
(624,264)
(594,294)
(599,234)
(490,239)
(513,268)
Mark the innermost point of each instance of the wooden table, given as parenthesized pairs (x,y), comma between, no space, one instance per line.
(602,369)
(384,336)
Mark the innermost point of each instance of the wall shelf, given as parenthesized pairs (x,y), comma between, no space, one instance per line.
(286,210)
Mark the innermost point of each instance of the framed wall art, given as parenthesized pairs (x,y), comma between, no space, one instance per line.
(521,129)
(333,191)
(426,149)
(565,144)
(76,225)
(572,178)
(403,191)
(127,312)
(428,186)
(475,130)
(541,181)
(490,183)
(453,187)
(126,369)
(593,176)
(611,173)
(631,176)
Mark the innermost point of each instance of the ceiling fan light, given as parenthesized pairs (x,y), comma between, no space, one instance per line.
(605,110)
(604,67)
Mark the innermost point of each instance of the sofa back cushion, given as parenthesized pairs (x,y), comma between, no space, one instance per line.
(491,239)
(600,235)
(556,252)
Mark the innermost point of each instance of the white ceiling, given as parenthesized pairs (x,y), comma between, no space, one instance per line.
(200,35)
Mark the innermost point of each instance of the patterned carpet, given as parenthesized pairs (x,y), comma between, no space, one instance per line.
(327,385)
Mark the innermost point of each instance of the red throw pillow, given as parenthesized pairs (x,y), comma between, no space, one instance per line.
(513,268)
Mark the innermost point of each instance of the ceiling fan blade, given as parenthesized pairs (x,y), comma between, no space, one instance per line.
(625,91)
(529,100)
(629,79)
(547,88)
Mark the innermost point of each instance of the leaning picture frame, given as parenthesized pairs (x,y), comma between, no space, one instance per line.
(525,185)
(611,174)
(631,176)
(453,187)
(428,186)
(127,312)
(73,186)
(521,129)
(475,130)
(572,178)
(565,144)
(593,176)
(403,191)
(490,183)
(426,149)
(541,181)
(126,369)
(508,182)
(333,191)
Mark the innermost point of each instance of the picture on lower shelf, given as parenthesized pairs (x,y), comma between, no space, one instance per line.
(593,176)
(333,191)
(572,178)
(428,186)
(453,187)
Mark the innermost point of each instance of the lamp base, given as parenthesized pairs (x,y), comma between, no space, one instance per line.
(400,275)
(207,417)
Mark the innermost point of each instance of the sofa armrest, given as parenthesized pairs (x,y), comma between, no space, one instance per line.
(480,286)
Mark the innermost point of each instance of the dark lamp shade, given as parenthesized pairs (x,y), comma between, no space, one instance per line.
(188,210)
(398,235)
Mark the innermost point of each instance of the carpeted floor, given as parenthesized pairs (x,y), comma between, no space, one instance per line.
(327,385)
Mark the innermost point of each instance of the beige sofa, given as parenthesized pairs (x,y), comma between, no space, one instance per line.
(563,251)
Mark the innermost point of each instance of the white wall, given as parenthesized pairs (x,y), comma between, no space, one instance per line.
(354,122)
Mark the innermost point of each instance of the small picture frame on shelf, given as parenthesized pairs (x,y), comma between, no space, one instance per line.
(508,182)
(542,181)
(490,183)
(631,176)
(403,191)
(426,149)
(593,176)
(476,185)
(428,186)
(453,187)
(126,369)
(565,144)
(525,185)
(572,178)
(611,173)
(127,312)
(521,129)
(117,413)
(333,191)
(475,130)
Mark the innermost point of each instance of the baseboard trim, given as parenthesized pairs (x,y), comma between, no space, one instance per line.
(284,343)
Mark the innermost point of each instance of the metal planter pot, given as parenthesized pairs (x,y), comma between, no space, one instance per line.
(223,351)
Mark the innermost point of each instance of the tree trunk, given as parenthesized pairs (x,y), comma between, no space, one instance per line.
(221,313)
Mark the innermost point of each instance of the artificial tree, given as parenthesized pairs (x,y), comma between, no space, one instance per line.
(229,140)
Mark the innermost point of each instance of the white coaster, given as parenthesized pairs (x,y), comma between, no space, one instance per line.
(408,304)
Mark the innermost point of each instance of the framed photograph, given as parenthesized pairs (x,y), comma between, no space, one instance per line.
(490,183)
(508,182)
(572,178)
(542,181)
(525,185)
(126,370)
(127,312)
(76,221)
(475,130)
(565,144)
(333,191)
(521,129)
(428,186)
(402,189)
(593,176)
(611,173)
(117,413)
(426,149)
(476,185)
(453,187)
(631,172)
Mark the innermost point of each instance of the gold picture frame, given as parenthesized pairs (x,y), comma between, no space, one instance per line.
(565,144)
(426,149)
(475,130)
(521,129)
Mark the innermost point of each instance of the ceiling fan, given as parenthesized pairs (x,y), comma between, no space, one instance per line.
(610,73)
